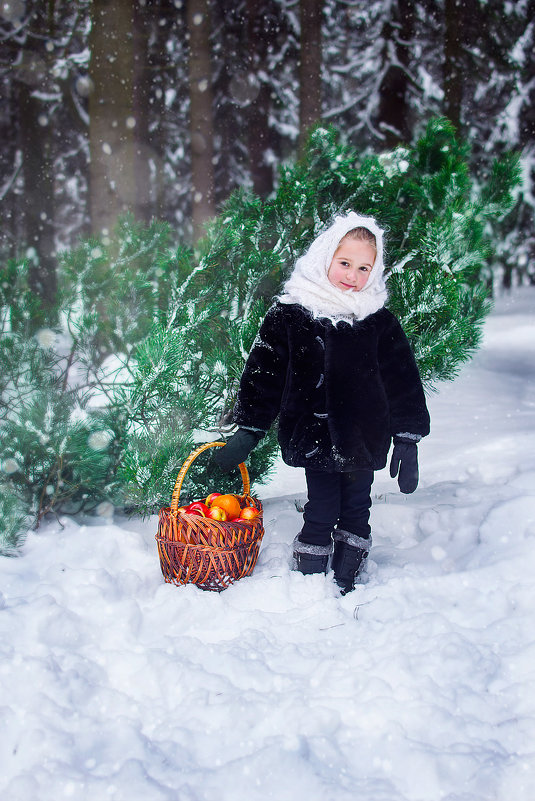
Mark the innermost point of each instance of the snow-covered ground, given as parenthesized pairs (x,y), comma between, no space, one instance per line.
(419,685)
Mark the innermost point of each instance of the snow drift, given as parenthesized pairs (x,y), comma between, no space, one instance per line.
(419,685)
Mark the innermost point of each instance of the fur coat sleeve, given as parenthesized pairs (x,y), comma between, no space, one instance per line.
(264,377)
(401,379)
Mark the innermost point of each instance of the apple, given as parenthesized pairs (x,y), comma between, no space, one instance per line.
(197,508)
(211,498)
(215,513)
(249,513)
(182,510)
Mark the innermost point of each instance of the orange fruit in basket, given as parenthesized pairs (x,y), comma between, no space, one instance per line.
(230,504)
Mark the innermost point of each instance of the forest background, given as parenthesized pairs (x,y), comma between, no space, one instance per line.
(163,107)
(121,340)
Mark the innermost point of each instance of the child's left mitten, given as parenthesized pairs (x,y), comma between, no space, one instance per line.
(404,463)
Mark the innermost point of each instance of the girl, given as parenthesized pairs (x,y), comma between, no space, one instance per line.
(337,369)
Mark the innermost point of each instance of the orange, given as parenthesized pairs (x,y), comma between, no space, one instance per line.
(230,504)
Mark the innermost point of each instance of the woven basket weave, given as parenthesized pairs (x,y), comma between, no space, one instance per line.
(209,553)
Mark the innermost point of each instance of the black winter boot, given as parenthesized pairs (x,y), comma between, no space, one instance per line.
(311,558)
(350,552)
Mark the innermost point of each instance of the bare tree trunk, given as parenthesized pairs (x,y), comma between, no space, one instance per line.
(38,201)
(112,120)
(527,117)
(310,105)
(153,26)
(527,141)
(394,111)
(262,31)
(11,230)
(145,191)
(36,142)
(453,81)
(201,114)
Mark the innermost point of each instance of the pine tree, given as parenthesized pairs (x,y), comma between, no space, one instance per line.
(142,356)
(439,244)
(62,426)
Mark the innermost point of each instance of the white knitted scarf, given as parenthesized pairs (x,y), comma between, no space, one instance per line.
(309,286)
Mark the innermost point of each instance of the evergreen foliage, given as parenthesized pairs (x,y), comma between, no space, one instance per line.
(62,427)
(144,351)
(440,229)
(15,522)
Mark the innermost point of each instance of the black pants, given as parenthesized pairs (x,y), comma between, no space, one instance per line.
(336,499)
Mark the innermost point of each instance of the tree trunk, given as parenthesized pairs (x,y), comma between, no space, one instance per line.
(36,141)
(394,110)
(201,114)
(527,113)
(262,32)
(453,79)
(145,200)
(38,200)
(112,180)
(310,61)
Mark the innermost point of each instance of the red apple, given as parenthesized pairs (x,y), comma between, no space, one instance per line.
(197,508)
(249,513)
(215,513)
(211,498)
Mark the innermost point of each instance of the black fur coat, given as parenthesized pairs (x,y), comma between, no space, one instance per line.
(341,391)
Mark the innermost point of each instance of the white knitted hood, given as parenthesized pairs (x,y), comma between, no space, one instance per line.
(309,286)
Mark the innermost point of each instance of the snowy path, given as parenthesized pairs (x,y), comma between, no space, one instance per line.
(419,685)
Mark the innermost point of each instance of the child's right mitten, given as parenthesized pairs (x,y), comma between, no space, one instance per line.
(237,448)
(404,463)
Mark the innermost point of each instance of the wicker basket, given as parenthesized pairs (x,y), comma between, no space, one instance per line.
(209,553)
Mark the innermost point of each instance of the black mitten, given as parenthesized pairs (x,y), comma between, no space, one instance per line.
(237,448)
(405,459)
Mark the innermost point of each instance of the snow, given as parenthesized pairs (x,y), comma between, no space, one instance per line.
(418,685)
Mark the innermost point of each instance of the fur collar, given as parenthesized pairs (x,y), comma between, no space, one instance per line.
(309,286)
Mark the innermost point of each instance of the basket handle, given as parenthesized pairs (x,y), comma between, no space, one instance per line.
(187,464)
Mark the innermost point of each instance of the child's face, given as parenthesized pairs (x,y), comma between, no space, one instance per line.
(351,265)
